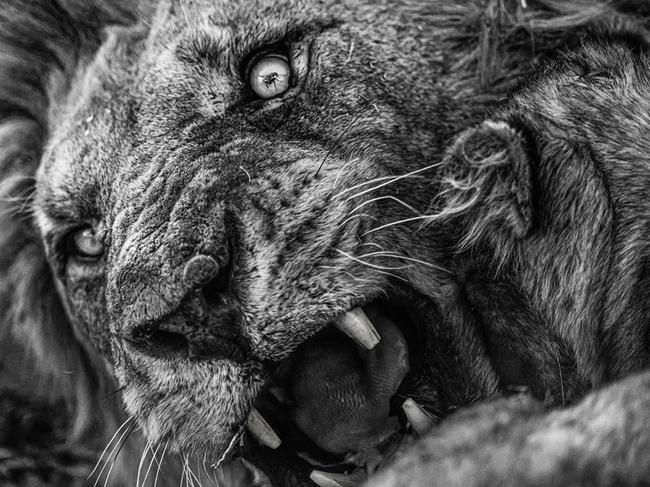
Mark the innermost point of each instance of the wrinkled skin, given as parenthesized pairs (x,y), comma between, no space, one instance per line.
(246,226)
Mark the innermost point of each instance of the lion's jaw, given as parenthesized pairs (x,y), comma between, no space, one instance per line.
(228,242)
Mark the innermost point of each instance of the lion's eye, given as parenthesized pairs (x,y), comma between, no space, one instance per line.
(270,75)
(86,244)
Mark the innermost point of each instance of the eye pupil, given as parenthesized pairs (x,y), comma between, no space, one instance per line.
(270,76)
(87,244)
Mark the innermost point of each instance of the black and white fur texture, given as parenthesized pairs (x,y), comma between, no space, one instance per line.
(515,132)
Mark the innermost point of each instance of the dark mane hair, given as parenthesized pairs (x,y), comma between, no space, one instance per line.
(36,40)
(502,39)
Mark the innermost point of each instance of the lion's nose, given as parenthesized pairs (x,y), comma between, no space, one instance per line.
(205,326)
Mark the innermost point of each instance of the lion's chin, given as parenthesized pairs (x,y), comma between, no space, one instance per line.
(180,403)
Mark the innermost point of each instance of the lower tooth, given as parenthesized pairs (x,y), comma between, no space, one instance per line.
(420,420)
(326,479)
(261,430)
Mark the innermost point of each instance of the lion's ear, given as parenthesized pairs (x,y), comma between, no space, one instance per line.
(487,182)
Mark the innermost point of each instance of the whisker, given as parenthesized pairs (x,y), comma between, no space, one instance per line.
(186,469)
(405,220)
(336,142)
(372,266)
(373,244)
(109,394)
(195,482)
(379,198)
(229,448)
(114,453)
(358,215)
(371,181)
(402,257)
(162,458)
(392,275)
(204,464)
(247,173)
(186,15)
(338,176)
(153,458)
(378,253)
(559,368)
(141,464)
(185,476)
(210,471)
(339,269)
(107,446)
(117,432)
(357,279)
(394,180)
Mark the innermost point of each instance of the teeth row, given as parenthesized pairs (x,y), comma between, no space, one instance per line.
(357,326)
(261,430)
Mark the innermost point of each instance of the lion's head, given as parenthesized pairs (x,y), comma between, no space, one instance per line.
(214,196)
(229,190)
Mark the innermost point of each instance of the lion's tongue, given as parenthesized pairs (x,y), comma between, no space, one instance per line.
(341,392)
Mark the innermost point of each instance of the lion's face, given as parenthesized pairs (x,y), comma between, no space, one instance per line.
(228,180)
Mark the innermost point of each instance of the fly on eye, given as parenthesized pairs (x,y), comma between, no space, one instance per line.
(85,243)
(269,75)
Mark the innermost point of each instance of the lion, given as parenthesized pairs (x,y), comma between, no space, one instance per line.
(272,242)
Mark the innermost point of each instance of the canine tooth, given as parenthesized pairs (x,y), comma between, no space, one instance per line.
(326,479)
(357,326)
(261,430)
(420,420)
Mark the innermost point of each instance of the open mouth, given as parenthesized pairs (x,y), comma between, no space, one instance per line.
(349,398)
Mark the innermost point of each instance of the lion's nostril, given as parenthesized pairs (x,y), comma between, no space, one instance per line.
(205,324)
(159,342)
(217,286)
(168,343)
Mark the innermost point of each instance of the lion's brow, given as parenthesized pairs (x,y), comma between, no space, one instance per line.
(70,204)
(203,47)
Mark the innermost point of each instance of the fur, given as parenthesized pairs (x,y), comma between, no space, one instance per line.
(583,311)
(122,116)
